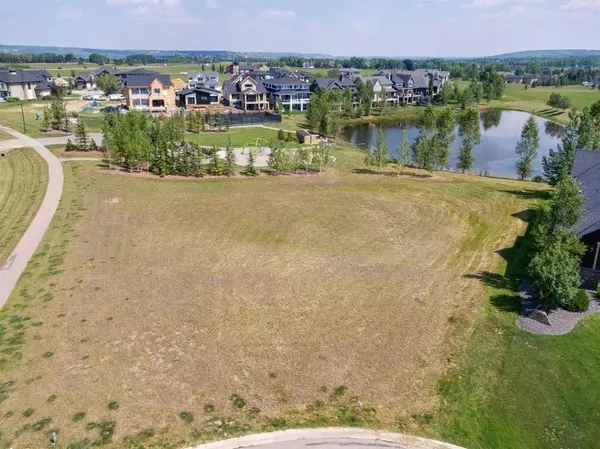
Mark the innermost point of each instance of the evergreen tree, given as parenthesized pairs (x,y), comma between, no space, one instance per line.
(280,135)
(69,146)
(229,167)
(57,111)
(527,148)
(404,152)
(215,167)
(251,170)
(289,137)
(468,129)
(201,122)
(81,139)
(93,145)
(227,123)
(46,119)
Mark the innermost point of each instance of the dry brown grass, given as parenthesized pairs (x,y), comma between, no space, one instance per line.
(23,180)
(177,294)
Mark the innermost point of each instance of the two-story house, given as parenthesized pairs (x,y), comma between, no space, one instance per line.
(153,92)
(291,92)
(383,88)
(86,80)
(235,68)
(342,84)
(246,93)
(198,97)
(203,79)
(22,84)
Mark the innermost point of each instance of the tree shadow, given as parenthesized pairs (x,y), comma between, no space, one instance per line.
(524,215)
(507,303)
(529,194)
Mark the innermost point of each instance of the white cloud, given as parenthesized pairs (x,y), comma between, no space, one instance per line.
(277,14)
(66,13)
(166,11)
(581,6)
(212,4)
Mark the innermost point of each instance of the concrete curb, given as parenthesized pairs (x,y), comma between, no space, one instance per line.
(325,434)
(11,271)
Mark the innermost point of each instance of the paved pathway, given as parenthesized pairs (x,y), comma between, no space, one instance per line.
(17,261)
(328,438)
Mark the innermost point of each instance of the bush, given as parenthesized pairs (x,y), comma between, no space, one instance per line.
(538,178)
(580,303)
(13,100)
(598,290)
(186,417)
(69,146)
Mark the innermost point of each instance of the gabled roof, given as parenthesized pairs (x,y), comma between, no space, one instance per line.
(86,76)
(205,74)
(44,85)
(586,169)
(144,80)
(11,76)
(198,89)
(286,80)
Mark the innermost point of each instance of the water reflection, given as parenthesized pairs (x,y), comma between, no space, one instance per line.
(495,156)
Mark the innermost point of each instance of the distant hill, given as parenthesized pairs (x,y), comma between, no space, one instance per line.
(119,53)
(532,54)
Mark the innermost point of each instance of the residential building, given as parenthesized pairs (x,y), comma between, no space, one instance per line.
(522,79)
(199,97)
(351,72)
(235,68)
(246,93)
(21,84)
(291,92)
(44,89)
(152,92)
(342,83)
(382,86)
(86,80)
(203,79)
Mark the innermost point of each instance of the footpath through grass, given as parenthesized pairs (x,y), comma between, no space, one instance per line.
(518,390)
(23,181)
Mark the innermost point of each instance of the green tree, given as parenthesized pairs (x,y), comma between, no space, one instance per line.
(280,134)
(46,119)
(57,111)
(215,167)
(558,164)
(527,148)
(109,84)
(251,170)
(587,139)
(229,167)
(424,147)
(382,100)
(81,138)
(567,204)
(444,137)
(227,123)
(468,129)
(347,106)
(93,146)
(320,157)
(97,58)
(404,152)
(378,157)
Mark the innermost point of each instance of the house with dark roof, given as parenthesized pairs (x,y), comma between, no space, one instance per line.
(86,80)
(206,79)
(235,68)
(292,93)
(383,87)
(351,72)
(18,83)
(342,84)
(521,79)
(198,97)
(149,91)
(44,89)
(586,170)
(246,93)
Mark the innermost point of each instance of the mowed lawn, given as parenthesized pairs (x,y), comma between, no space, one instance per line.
(5,136)
(250,304)
(23,180)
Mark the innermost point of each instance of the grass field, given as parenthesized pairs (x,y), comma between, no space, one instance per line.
(5,136)
(248,304)
(240,137)
(11,116)
(23,180)
(173,70)
(534,100)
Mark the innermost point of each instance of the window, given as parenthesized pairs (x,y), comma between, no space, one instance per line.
(144,91)
(144,102)
(135,91)
(191,100)
(157,91)
(137,102)
(28,85)
(247,85)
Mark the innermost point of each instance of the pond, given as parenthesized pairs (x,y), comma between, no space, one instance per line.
(495,156)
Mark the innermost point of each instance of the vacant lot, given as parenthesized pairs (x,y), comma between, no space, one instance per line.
(11,116)
(23,180)
(242,301)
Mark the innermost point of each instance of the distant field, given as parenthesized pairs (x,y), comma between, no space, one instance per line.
(23,179)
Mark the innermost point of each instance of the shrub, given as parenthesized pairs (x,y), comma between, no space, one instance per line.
(78,416)
(28,412)
(538,179)
(280,135)
(209,408)
(113,405)
(186,417)
(69,146)
(13,100)
(580,303)
(598,290)
(238,402)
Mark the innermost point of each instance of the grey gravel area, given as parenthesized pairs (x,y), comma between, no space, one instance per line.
(561,321)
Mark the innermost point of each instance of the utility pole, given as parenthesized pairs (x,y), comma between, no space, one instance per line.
(23,115)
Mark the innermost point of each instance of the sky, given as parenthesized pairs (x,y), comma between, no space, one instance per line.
(441,28)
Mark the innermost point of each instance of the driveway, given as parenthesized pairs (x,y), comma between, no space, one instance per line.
(17,261)
(328,438)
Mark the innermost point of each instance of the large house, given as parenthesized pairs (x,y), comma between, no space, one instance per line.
(198,97)
(246,93)
(586,169)
(292,93)
(148,91)
(522,79)
(88,79)
(236,69)
(22,84)
(209,80)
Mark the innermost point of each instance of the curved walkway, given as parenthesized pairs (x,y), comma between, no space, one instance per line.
(328,438)
(17,262)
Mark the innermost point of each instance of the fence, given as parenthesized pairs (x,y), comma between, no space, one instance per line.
(242,118)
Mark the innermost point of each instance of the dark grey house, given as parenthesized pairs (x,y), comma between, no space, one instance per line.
(586,169)
(198,97)
(21,84)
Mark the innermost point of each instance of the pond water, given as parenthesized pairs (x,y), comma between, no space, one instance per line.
(495,156)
